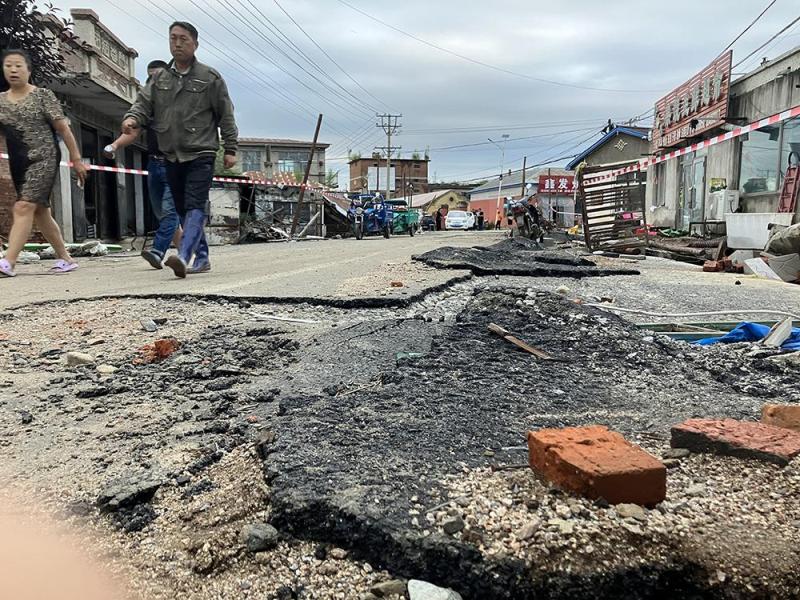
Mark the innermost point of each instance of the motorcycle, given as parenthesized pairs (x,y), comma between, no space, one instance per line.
(370,215)
(356,215)
(526,221)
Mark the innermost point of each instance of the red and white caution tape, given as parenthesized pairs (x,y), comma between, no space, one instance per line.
(717,139)
(282,181)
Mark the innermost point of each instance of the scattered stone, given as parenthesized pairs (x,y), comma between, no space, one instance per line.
(453,526)
(676,453)
(743,439)
(395,587)
(161,321)
(698,489)
(782,415)
(106,369)
(421,590)
(595,462)
(148,325)
(77,359)
(92,391)
(563,290)
(529,530)
(128,493)
(26,417)
(338,554)
(259,537)
(671,463)
(631,511)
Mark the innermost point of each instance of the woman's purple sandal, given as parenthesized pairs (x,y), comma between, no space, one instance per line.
(63,266)
(6,269)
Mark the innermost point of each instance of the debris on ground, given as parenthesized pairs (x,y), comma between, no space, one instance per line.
(782,415)
(516,256)
(158,351)
(597,463)
(745,439)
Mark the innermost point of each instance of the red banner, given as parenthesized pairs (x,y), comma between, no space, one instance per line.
(556,184)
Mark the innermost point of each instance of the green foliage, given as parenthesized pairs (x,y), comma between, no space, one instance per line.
(22,27)
(332,179)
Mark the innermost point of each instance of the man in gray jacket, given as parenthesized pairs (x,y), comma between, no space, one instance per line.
(188,103)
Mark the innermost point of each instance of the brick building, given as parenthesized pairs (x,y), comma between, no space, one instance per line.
(274,157)
(368,175)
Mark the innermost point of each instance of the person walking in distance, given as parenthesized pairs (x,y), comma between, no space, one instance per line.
(161,200)
(189,106)
(30,117)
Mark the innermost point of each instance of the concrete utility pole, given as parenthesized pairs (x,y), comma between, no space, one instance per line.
(390,125)
(502,166)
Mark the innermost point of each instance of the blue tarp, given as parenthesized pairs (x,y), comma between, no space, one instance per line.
(752,332)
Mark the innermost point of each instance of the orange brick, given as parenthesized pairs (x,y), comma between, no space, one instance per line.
(782,415)
(745,439)
(597,463)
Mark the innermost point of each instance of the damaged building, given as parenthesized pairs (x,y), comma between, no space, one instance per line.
(698,191)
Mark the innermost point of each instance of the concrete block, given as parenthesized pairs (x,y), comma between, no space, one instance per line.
(597,463)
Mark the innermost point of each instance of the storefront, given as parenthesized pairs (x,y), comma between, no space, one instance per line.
(744,174)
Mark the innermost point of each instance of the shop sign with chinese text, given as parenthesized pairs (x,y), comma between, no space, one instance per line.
(696,106)
(556,184)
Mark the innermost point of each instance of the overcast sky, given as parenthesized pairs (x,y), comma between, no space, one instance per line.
(640,48)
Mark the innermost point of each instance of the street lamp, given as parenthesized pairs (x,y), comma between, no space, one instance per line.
(502,149)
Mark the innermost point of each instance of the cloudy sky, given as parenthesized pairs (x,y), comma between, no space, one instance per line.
(548,74)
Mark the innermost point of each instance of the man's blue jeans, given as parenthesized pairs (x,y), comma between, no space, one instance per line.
(190,183)
(163,205)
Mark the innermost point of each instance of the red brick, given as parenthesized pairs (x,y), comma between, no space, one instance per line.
(745,439)
(782,415)
(8,194)
(713,266)
(597,463)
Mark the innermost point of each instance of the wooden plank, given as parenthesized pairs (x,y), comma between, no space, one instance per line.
(506,335)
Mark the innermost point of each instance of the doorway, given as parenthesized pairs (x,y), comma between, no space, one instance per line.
(691,206)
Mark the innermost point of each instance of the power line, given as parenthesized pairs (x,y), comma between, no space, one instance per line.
(484,64)
(237,15)
(328,56)
(530,137)
(767,42)
(746,29)
(278,32)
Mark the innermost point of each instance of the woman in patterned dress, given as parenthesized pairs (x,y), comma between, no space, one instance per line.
(29,118)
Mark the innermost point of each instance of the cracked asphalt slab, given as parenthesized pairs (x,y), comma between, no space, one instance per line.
(366,468)
(380,424)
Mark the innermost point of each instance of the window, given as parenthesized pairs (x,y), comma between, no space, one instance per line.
(252,160)
(760,159)
(765,156)
(791,143)
(292,161)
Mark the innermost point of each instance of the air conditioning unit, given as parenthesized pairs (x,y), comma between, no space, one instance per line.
(722,203)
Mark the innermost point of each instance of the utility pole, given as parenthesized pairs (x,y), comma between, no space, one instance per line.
(524,166)
(390,125)
(296,219)
(502,166)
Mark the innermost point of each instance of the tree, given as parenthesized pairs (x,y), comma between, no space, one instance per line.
(219,165)
(332,179)
(416,155)
(23,27)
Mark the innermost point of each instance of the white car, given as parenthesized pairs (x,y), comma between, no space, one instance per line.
(459,219)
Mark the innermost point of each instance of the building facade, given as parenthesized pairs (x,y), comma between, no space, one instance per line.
(99,86)
(274,157)
(742,174)
(618,144)
(368,175)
